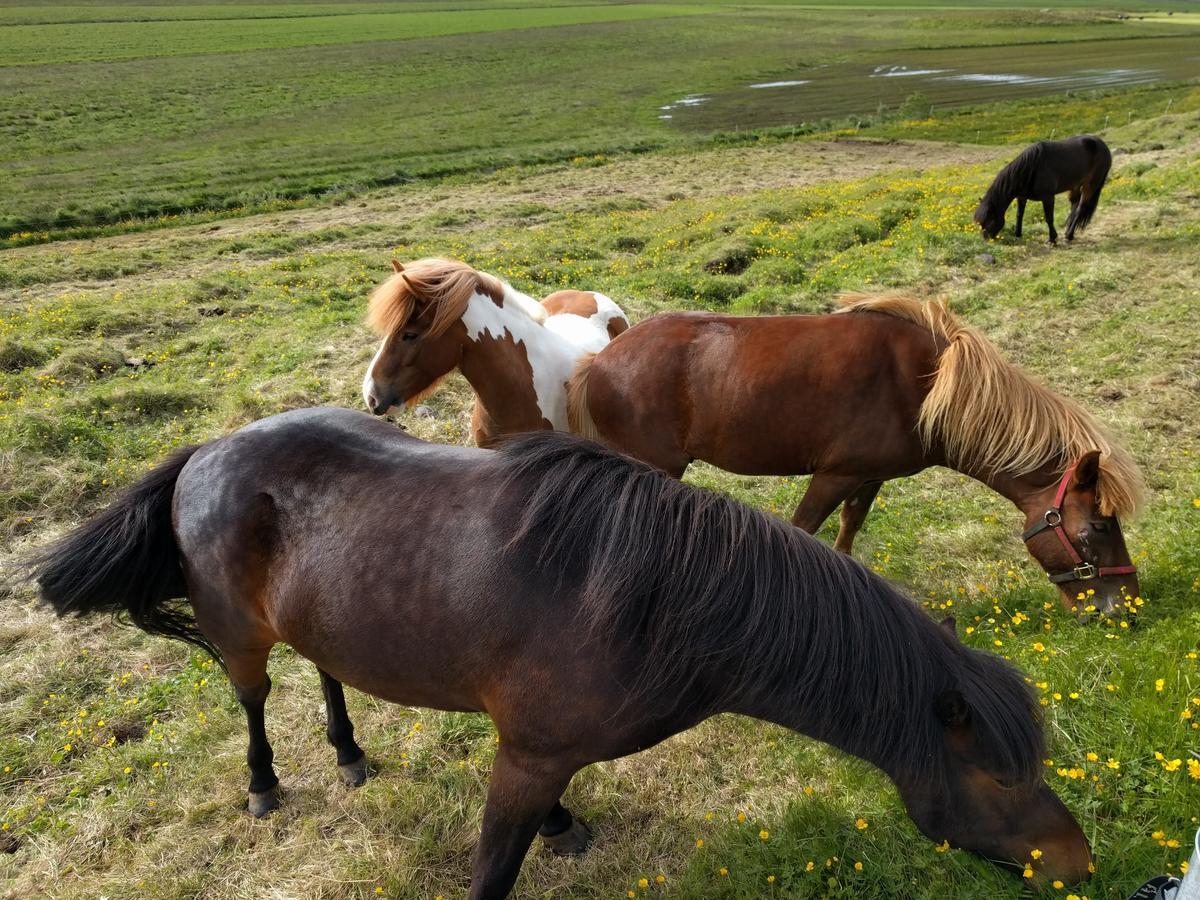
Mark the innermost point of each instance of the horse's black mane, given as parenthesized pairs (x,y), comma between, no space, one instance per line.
(701,584)
(1015,177)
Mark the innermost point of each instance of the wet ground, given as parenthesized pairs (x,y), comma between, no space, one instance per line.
(946,77)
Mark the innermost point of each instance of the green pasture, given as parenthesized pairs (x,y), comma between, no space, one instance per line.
(122,757)
(112,114)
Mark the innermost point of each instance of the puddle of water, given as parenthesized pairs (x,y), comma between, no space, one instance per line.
(997,78)
(901,72)
(947,77)
(775,84)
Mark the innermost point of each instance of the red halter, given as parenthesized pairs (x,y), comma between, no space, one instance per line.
(1052,518)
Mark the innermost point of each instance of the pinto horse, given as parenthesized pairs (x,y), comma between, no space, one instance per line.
(588,603)
(1078,164)
(436,315)
(885,388)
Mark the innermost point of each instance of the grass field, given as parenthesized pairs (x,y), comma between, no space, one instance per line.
(122,757)
(229,108)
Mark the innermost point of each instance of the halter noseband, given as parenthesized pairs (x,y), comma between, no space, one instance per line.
(1052,518)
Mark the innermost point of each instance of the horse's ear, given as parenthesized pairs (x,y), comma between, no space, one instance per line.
(396,267)
(951,709)
(1087,471)
(949,626)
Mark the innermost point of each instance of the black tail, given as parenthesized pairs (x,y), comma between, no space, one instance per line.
(1087,205)
(124,561)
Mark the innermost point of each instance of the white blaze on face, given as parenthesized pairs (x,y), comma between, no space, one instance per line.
(368,386)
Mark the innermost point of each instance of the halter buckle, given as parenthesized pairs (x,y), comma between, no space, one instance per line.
(1053,518)
(1085,572)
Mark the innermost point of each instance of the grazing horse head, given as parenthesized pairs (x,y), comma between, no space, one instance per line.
(1044,452)
(989,216)
(1071,528)
(977,803)
(419,311)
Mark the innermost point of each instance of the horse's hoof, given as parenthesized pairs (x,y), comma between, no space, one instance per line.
(572,842)
(354,774)
(262,802)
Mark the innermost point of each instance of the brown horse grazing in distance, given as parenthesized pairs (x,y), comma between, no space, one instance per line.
(1078,164)
(885,388)
(437,315)
(589,604)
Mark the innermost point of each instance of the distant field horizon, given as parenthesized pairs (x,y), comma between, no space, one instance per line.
(113,112)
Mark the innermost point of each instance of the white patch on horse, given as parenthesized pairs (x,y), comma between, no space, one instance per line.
(551,355)
(606,311)
(582,333)
(369,379)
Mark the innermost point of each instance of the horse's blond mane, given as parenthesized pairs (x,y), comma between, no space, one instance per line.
(989,416)
(444,284)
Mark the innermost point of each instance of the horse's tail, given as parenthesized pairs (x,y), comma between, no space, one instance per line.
(1091,196)
(579,417)
(987,415)
(124,561)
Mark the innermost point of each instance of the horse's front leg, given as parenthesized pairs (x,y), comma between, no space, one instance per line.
(564,834)
(1048,209)
(352,764)
(1020,215)
(854,513)
(824,494)
(522,795)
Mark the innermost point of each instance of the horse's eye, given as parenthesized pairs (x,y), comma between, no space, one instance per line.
(1101,527)
(409,336)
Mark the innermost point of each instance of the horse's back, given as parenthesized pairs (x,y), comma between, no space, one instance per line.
(756,394)
(280,487)
(379,557)
(585,318)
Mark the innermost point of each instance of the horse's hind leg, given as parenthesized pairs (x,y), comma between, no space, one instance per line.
(352,764)
(563,833)
(854,513)
(248,672)
(1048,209)
(1076,195)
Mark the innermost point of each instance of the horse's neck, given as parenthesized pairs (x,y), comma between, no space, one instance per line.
(820,702)
(1001,194)
(1027,492)
(517,366)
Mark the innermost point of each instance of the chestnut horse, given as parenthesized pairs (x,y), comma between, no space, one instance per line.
(436,315)
(885,388)
(589,604)
(1079,164)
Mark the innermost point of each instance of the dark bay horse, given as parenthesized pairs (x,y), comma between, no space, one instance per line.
(437,315)
(588,603)
(887,387)
(1077,164)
